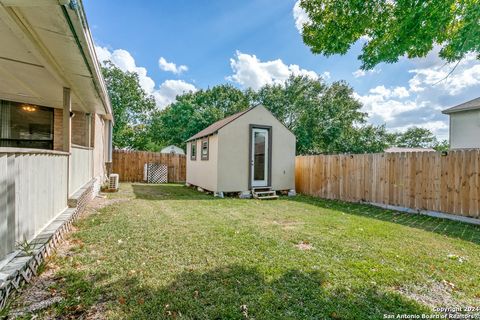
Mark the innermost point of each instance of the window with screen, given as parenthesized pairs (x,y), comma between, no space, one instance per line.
(193,150)
(205,149)
(25,125)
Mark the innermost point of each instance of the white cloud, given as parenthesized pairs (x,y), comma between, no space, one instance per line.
(170,66)
(362,73)
(326,75)
(389,106)
(359,73)
(300,16)
(465,75)
(168,91)
(249,71)
(397,92)
(164,94)
(432,87)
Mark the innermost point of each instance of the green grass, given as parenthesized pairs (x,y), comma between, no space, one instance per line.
(171,252)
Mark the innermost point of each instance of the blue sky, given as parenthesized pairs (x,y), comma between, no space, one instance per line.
(252,42)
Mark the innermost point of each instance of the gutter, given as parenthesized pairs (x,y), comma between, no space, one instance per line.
(97,79)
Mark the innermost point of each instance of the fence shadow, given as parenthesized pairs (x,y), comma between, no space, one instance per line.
(240,292)
(449,228)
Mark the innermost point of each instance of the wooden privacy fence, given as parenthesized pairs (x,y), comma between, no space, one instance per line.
(129,164)
(417,180)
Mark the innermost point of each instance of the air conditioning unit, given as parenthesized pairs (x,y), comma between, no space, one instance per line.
(113,179)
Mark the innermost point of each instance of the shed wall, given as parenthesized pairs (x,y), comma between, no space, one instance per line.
(203,173)
(233,152)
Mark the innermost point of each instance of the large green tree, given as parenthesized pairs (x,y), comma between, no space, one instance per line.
(195,111)
(324,118)
(416,137)
(393,29)
(131,106)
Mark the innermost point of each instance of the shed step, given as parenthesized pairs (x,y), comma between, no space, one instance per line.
(268,197)
(264,192)
(270,194)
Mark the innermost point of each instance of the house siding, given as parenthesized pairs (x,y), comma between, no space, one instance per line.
(465,129)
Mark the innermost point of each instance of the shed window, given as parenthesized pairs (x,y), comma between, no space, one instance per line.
(205,149)
(25,125)
(193,150)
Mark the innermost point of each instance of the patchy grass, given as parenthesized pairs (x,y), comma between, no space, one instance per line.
(171,252)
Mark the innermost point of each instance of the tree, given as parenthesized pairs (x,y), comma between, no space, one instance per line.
(195,111)
(131,108)
(393,29)
(443,145)
(416,138)
(365,139)
(419,138)
(324,118)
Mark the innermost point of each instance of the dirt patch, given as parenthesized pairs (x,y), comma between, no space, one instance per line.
(36,298)
(100,202)
(304,246)
(436,294)
(96,312)
(38,295)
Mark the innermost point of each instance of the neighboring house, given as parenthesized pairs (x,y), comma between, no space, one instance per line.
(250,149)
(172,150)
(401,149)
(55,118)
(465,125)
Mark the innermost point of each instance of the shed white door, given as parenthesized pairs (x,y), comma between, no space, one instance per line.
(259,161)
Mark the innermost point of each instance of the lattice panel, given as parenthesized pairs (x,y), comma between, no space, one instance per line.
(156,173)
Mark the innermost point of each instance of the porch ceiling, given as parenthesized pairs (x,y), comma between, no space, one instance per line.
(40,54)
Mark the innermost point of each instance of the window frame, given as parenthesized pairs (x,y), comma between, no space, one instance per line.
(202,156)
(193,150)
(50,142)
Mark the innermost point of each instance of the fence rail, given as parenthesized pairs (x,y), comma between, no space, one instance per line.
(418,180)
(129,164)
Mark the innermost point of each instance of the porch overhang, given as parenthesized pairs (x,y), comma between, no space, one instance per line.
(46,46)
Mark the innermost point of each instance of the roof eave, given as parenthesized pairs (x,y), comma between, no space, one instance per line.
(201,137)
(83,32)
(452,110)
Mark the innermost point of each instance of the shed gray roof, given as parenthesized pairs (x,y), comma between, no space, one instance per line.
(213,128)
(469,105)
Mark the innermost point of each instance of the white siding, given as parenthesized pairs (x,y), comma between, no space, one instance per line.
(33,191)
(81,168)
(465,129)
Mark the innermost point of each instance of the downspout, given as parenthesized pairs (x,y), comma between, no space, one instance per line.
(110,146)
(108,162)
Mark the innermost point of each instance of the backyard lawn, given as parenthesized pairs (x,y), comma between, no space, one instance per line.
(172,252)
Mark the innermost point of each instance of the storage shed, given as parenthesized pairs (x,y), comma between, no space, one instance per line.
(250,149)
